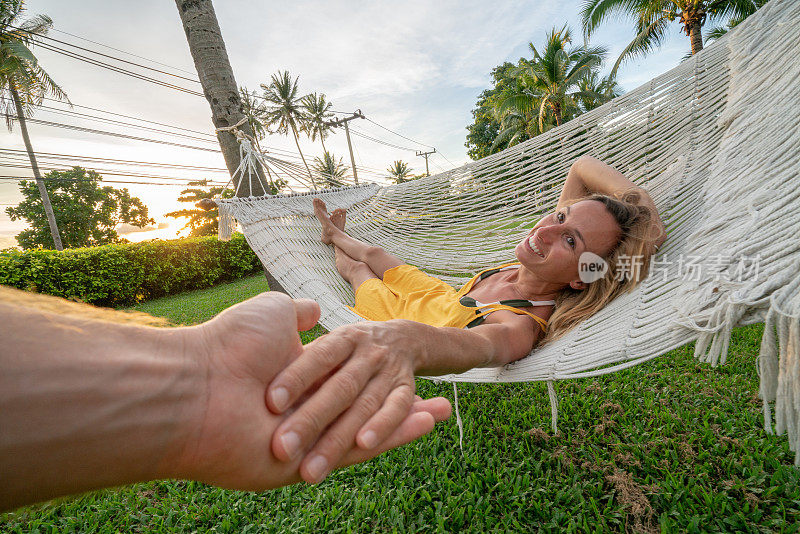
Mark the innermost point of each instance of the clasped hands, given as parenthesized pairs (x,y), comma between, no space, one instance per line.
(343,398)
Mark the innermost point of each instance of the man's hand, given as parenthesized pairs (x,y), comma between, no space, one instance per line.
(241,351)
(367,374)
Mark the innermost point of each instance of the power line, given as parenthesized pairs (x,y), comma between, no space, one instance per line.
(140,76)
(399,134)
(212,137)
(60,167)
(52,155)
(117,69)
(123,51)
(381,142)
(113,134)
(122,123)
(195,80)
(134,118)
(31,178)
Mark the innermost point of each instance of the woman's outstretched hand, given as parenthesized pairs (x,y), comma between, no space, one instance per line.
(364,373)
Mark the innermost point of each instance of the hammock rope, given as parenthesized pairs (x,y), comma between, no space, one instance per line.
(715,142)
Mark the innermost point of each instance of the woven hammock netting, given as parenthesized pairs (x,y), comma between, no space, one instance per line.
(715,141)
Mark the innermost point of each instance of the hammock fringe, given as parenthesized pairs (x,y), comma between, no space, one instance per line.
(227,222)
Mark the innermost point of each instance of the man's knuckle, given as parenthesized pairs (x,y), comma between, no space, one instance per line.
(338,442)
(348,385)
(369,404)
(309,422)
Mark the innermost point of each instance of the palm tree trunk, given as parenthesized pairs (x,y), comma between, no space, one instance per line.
(48,208)
(296,142)
(219,86)
(696,37)
(321,140)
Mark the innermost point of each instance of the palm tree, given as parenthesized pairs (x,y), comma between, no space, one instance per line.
(718,31)
(284,109)
(219,85)
(333,171)
(24,83)
(596,91)
(551,81)
(254,111)
(399,171)
(515,108)
(654,16)
(201,221)
(317,109)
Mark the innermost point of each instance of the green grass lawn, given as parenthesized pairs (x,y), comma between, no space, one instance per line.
(671,446)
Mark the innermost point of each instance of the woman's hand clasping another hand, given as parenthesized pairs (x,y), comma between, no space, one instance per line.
(244,348)
(368,372)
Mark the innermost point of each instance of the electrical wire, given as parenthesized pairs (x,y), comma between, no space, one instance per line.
(36,37)
(117,69)
(113,134)
(399,134)
(99,170)
(31,178)
(123,51)
(52,155)
(134,118)
(122,123)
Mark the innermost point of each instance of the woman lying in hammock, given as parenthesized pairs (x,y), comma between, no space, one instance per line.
(422,326)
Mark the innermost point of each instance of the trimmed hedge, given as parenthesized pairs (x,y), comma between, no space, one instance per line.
(122,275)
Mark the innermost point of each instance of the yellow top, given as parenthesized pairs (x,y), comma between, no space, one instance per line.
(407,293)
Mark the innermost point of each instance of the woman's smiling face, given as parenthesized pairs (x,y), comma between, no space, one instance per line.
(554,245)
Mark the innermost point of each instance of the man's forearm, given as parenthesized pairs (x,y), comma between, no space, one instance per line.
(86,404)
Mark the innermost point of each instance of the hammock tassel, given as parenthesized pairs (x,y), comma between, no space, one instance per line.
(227,223)
(459,423)
(768,369)
(551,392)
(787,395)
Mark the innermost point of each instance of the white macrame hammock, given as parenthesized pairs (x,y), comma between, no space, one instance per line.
(716,142)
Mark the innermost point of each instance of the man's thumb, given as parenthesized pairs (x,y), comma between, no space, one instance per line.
(307,313)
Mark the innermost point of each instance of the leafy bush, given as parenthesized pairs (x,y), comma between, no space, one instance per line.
(124,274)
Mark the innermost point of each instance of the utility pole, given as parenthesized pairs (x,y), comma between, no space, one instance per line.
(338,122)
(426,154)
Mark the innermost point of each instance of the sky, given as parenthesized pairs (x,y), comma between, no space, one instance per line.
(414,67)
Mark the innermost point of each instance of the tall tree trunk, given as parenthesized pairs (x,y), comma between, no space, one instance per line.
(696,37)
(219,86)
(296,142)
(557,112)
(48,208)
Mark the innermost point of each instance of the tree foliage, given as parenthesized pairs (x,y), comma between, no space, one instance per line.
(317,111)
(485,126)
(654,17)
(201,222)
(333,172)
(87,213)
(538,93)
(19,69)
(400,172)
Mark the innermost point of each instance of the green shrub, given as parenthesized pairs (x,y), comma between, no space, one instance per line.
(121,275)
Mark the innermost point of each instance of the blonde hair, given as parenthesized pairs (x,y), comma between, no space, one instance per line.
(636,243)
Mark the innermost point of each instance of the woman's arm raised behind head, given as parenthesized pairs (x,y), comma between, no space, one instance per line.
(590,175)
